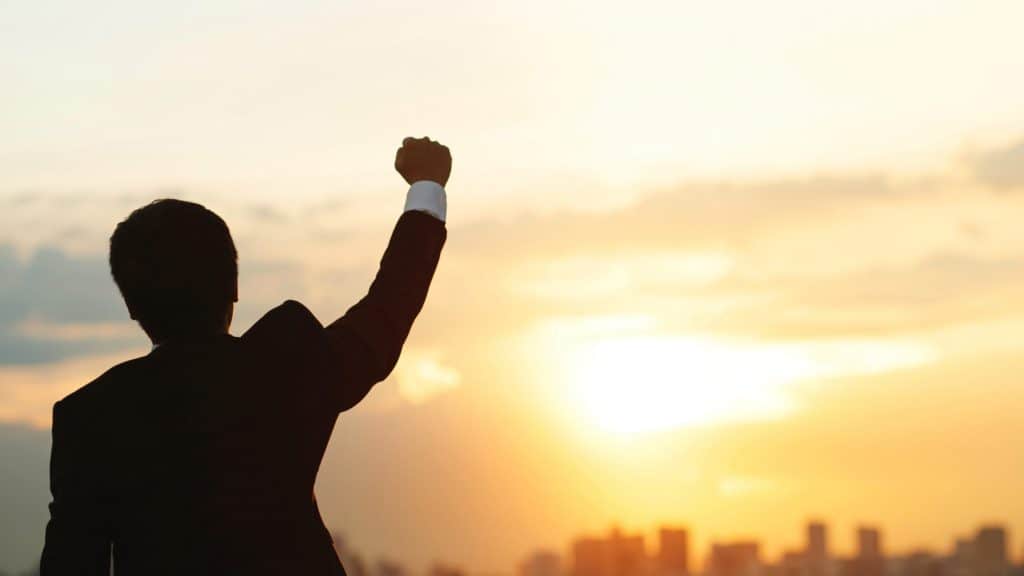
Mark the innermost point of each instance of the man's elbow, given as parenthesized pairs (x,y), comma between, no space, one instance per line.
(358,383)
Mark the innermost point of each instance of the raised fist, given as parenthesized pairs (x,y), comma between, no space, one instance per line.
(423,159)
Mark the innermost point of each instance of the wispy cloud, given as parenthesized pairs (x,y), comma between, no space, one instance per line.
(1001,168)
(421,375)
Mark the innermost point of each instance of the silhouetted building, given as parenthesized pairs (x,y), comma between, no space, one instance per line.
(848,566)
(962,561)
(869,542)
(616,555)
(922,564)
(816,555)
(792,564)
(735,559)
(990,554)
(870,560)
(628,555)
(673,552)
(590,557)
(541,563)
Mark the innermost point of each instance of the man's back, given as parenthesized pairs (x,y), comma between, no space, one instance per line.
(206,451)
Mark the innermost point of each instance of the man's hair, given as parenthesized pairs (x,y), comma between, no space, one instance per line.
(176,267)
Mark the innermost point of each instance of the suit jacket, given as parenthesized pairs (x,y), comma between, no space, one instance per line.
(200,458)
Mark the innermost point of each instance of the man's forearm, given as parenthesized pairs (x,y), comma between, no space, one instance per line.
(373,331)
(368,339)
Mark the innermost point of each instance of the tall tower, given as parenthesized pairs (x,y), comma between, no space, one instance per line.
(617,555)
(869,542)
(870,560)
(673,552)
(990,557)
(817,549)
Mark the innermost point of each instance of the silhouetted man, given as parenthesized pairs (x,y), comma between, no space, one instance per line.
(200,457)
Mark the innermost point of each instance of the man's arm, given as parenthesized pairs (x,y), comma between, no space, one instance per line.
(368,339)
(77,535)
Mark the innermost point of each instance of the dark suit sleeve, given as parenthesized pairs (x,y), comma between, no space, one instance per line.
(78,533)
(367,341)
(335,367)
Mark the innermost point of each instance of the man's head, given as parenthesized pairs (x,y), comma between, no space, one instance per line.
(177,269)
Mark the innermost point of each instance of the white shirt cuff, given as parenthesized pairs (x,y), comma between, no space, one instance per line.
(429,197)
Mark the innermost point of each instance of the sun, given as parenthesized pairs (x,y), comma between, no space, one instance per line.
(636,385)
(621,375)
(640,384)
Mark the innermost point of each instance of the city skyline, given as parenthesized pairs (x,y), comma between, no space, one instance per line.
(619,553)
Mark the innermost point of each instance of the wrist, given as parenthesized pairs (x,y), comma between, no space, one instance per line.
(427,196)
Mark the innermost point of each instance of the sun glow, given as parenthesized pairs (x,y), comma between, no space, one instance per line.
(634,385)
(648,384)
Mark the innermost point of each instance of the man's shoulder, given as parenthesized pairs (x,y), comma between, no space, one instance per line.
(285,319)
(101,390)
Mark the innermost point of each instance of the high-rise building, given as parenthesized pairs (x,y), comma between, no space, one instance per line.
(673,552)
(629,558)
(816,555)
(962,561)
(870,560)
(616,555)
(792,564)
(590,557)
(817,540)
(922,563)
(990,557)
(869,542)
(735,559)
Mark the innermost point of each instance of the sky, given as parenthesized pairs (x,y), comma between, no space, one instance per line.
(729,266)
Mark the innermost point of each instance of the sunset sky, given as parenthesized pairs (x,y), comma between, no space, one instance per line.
(727,265)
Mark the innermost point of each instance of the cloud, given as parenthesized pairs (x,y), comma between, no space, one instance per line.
(941,290)
(421,375)
(56,306)
(591,277)
(266,214)
(693,216)
(1001,168)
(70,332)
(845,256)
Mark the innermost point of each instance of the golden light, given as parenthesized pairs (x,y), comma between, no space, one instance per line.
(636,385)
(632,385)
